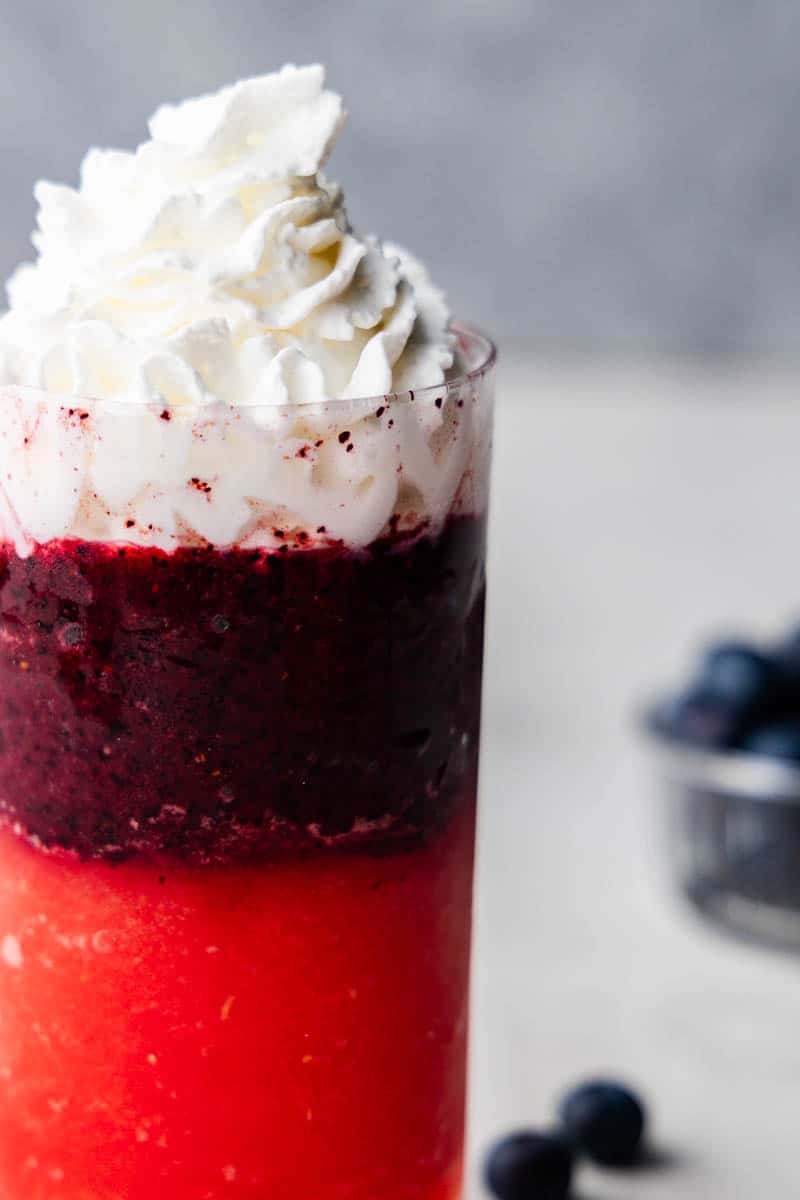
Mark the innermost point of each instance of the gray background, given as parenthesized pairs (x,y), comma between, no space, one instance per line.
(578,172)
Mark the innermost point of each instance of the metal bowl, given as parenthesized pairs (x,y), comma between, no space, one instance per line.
(733,835)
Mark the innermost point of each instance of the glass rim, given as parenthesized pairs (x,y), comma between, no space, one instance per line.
(487,359)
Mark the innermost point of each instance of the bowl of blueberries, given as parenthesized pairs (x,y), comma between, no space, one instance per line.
(728,755)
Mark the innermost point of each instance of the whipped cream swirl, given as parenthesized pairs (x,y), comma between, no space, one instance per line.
(208,296)
(217,264)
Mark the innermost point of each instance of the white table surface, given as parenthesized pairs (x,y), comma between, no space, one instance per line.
(636,508)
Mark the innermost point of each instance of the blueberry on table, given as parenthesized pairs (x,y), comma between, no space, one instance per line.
(739,674)
(530,1166)
(605,1120)
(779,739)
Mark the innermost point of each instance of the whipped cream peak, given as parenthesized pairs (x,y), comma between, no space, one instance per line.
(223,226)
(214,271)
(272,126)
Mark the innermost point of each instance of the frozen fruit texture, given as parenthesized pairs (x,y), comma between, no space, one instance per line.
(225,705)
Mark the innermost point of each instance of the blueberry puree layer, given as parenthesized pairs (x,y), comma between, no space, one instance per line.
(228,704)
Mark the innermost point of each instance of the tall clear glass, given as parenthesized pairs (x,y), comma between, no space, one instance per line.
(237,793)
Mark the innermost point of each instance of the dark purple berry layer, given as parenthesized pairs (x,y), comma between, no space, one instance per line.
(228,704)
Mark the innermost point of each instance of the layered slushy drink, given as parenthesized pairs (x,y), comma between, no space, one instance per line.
(243,468)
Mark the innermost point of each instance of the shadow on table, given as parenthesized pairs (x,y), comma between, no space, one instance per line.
(656,1158)
(653,1159)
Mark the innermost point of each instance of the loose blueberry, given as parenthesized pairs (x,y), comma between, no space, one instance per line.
(701,719)
(779,739)
(605,1120)
(738,674)
(530,1166)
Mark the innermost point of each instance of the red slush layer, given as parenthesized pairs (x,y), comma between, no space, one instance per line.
(295,1032)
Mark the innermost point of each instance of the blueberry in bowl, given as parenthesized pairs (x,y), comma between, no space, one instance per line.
(779,739)
(736,686)
(728,758)
(740,674)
